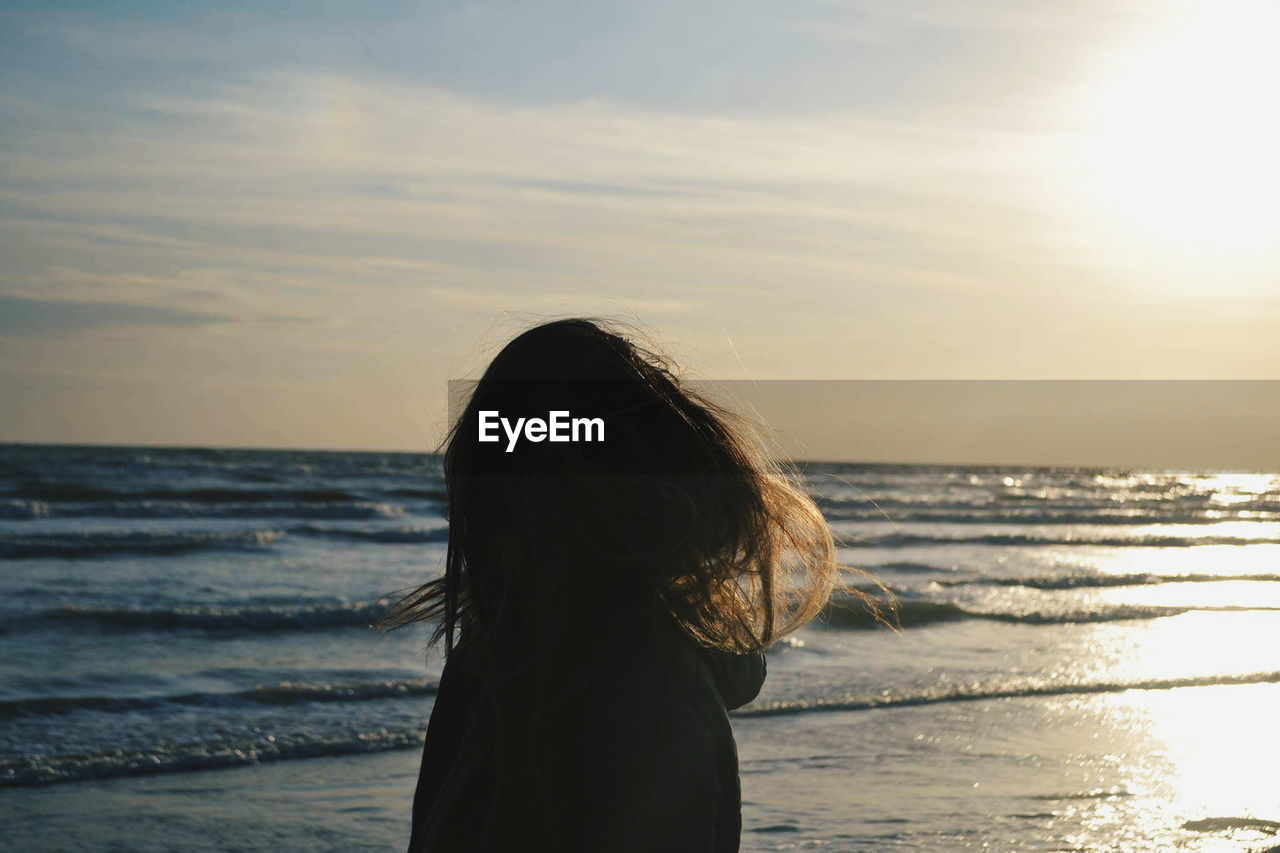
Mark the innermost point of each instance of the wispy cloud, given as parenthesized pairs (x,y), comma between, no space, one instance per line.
(336,168)
(21,316)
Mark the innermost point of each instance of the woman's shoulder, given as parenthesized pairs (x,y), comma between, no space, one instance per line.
(738,676)
(665,665)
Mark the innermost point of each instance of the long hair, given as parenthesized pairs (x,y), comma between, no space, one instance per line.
(558,549)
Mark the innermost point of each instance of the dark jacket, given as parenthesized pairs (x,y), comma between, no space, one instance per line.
(652,755)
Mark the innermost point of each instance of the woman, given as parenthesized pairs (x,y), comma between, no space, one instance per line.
(604,604)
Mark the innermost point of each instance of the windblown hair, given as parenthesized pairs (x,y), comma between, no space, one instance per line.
(681,503)
(558,550)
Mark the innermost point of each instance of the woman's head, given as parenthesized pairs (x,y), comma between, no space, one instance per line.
(561,552)
(673,505)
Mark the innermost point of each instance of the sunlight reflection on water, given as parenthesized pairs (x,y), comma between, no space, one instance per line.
(1198,765)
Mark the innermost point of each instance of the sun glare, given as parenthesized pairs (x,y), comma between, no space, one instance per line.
(1181,138)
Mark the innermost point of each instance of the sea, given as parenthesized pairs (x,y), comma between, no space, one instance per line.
(1087,659)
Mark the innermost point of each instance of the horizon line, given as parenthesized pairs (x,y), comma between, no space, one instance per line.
(793,460)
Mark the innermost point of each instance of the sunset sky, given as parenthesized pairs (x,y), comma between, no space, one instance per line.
(264,226)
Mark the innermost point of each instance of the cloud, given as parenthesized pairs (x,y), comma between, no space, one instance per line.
(309,171)
(21,316)
(368,204)
(603,303)
(373,201)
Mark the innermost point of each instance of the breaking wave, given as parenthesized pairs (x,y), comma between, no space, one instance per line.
(358,614)
(1089,581)
(203,755)
(899,540)
(973,693)
(230,751)
(96,544)
(282,693)
(80,544)
(847,613)
(389,535)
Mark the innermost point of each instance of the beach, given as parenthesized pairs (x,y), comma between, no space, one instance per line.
(1087,659)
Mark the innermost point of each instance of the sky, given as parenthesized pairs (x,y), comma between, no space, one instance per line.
(289,225)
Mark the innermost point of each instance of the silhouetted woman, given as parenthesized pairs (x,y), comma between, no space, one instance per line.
(603,605)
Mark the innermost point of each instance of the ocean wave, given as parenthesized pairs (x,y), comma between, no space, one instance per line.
(81,492)
(842,613)
(1226,824)
(851,614)
(359,614)
(23,510)
(388,535)
(107,543)
(282,693)
(907,568)
(1058,498)
(1093,794)
(899,540)
(224,752)
(212,754)
(95,544)
(1209,515)
(187,509)
(1091,581)
(421,494)
(977,692)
